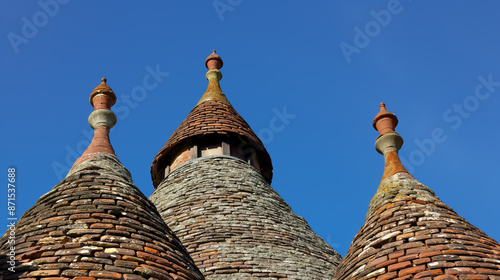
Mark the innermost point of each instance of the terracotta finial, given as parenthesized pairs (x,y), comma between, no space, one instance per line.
(213,92)
(213,61)
(101,120)
(388,142)
(385,121)
(102,97)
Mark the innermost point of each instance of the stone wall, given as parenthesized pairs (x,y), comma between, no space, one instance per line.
(235,226)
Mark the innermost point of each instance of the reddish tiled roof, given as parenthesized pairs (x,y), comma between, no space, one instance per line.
(96,223)
(213,115)
(209,118)
(410,234)
(411,238)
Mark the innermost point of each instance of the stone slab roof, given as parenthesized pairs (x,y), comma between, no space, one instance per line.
(235,225)
(410,234)
(209,118)
(96,224)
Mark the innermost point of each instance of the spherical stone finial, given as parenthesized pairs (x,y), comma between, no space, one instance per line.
(103,80)
(213,61)
(385,121)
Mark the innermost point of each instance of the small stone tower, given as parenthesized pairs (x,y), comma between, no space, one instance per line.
(409,233)
(96,224)
(212,189)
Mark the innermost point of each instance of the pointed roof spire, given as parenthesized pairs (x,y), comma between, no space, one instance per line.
(96,224)
(212,115)
(409,233)
(102,119)
(388,142)
(214,92)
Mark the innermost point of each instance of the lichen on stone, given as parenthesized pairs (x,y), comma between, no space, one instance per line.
(103,161)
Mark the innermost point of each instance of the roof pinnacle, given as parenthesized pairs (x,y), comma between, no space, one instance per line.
(400,197)
(388,142)
(107,98)
(222,121)
(213,61)
(214,92)
(102,119)
(385,121)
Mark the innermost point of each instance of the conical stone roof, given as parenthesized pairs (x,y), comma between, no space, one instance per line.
(213,115)
(210,118)
(236,226)
(95,224)
(232,222)
(410,234)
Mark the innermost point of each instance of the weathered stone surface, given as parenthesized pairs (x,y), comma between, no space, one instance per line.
(212,118)
(92,235)
(428,239)
(235,226)
(105,161)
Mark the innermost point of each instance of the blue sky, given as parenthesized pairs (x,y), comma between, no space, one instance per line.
(325,64)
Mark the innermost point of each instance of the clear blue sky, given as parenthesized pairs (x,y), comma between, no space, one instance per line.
(328,63)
